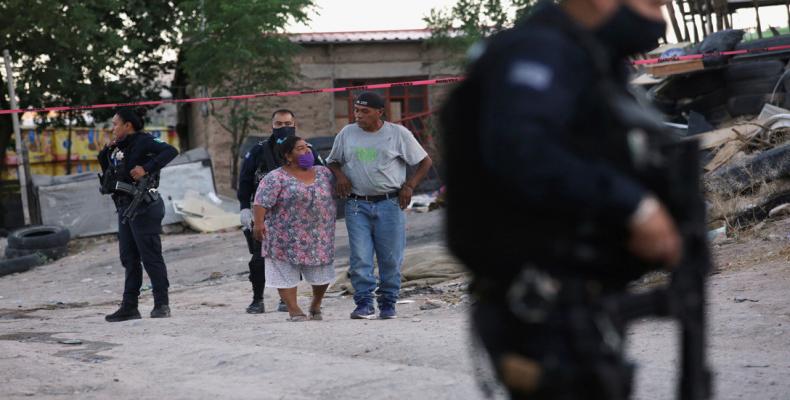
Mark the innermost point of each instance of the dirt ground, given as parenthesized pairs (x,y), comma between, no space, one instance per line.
(211,349)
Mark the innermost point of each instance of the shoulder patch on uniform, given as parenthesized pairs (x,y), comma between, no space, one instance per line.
(532,74)
(156,139)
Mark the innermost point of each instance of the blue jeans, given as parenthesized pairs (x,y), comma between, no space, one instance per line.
(379,227)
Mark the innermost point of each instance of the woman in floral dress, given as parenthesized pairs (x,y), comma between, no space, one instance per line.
(295,221)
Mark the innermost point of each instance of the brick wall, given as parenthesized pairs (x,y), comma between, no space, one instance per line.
(319,67)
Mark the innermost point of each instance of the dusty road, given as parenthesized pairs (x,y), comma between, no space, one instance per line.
(211,349)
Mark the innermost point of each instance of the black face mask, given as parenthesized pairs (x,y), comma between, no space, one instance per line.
(627,33)
(282,133)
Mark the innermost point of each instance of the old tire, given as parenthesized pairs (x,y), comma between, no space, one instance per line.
(756,86)
(702,104)
(764,167)
(688,86)
(20,264)
(764,43)
(39,237)
(783,40)
(52,253)
(743,71)
(750,104)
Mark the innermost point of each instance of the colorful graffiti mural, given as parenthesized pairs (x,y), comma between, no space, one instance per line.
(48,149)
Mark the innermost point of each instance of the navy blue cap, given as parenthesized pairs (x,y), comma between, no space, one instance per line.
(369,99)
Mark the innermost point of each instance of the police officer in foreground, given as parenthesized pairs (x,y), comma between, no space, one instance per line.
(539,194)
(259,161)
(130,173)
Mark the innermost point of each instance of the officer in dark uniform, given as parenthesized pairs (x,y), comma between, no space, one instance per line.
(132,162)
(547,151)
(259,161)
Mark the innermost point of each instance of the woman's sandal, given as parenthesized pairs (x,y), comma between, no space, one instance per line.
(316,315)
(298,318)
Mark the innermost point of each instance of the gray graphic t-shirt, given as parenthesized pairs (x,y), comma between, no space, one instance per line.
(375,162)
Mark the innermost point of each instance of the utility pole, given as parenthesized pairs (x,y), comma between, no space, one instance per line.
(69,119)
(21,150)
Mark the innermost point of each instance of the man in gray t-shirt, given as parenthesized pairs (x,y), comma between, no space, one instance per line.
(369,160)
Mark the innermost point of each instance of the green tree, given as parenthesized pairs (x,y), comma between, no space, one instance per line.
(240,47)
(83,52)
(457,28)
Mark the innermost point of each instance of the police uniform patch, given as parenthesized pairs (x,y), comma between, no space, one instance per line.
(532,74)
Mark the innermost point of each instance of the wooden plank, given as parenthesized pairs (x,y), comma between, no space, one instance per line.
(675,67)
(718,137)
(709,140)
(723,155)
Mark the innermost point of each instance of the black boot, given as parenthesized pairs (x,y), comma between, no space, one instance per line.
(162,311)
(256,307)
(124,313)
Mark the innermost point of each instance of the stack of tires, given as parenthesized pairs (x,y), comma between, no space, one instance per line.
(702,92)
(755,79)
(733,87)
(32,246)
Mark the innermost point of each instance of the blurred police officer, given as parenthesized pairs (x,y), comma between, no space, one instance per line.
(535,182)
(132,158)
(259,161)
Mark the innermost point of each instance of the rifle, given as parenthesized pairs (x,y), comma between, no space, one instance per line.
(683,298)
(141,191)
(671,169)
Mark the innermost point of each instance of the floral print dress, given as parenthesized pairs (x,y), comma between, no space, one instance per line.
(300,218)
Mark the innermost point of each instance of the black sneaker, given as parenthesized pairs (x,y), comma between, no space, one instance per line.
(387,311)
(161,311)
(124,313)
(256,307)
(282,307)
(364,311)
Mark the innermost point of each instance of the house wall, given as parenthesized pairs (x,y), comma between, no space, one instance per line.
(319,67)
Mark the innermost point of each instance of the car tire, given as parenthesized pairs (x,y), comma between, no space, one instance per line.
(52,253)
(756,86)
(689,86)
(20,264)
(740,71)
(751,104)
(39,237)
(783,40)
(766,166)
(764,43)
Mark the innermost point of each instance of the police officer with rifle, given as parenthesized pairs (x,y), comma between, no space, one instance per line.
(130,174)
(585,191)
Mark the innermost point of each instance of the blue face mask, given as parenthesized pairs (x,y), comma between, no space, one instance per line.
(280,134)
(305,160)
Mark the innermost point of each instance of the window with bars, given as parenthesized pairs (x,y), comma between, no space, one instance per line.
(401,103)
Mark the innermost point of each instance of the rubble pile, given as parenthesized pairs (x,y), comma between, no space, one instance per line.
(747,170)
(739,109)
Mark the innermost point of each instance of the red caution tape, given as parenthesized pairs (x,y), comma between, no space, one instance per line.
(710,54)
(426,82)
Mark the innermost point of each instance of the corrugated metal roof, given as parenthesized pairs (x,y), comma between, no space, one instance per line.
(403,35)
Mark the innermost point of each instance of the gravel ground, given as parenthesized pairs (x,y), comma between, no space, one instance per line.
(211,349)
